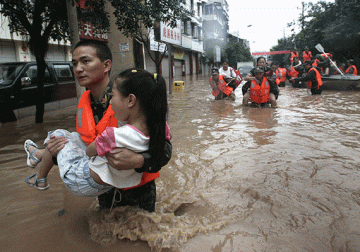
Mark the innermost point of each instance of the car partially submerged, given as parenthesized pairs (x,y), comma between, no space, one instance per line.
(18,83)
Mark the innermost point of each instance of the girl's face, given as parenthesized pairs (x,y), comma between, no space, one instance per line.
(262,62)
(120,105)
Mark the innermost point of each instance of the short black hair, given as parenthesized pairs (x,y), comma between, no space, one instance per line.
(102,49)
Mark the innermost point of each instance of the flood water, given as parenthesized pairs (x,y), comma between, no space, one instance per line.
(240,179)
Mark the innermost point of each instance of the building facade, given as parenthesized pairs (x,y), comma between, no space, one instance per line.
(215,27)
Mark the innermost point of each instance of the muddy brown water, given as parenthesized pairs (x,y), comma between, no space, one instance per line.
(240,179)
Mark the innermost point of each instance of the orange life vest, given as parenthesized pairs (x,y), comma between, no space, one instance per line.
(293,72)
(282,78)
(85,126)
(318,78)
(352,66)
(221,86)
(292,55)
(326,55)
(260,93)
(306,56)
(315,63)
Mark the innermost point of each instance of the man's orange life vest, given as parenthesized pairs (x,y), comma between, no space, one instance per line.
(306,56)
(85,126)
(293,72)
(221,86)
(315,63)
(318,78)
(260,93)
(292,55)
(282,77)
(326,55)
(352,66)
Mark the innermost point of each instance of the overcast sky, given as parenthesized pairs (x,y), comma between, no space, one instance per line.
(263,23)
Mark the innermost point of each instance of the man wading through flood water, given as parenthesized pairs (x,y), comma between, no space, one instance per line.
(92,62)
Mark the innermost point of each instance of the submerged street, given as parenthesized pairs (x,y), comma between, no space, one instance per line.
(240,179)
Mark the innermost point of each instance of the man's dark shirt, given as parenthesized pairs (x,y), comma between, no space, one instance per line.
(101,105)
(310,76)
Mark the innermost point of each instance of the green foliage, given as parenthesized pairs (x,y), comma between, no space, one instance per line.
(133,16)
(235,52)
(334,25)
(284,44)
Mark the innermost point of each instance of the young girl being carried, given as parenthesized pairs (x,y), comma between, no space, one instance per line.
(139,102)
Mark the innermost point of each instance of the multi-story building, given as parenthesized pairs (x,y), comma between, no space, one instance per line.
(14,48)
(186,42)
(215,26)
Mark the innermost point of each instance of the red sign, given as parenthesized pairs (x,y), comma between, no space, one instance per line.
(270,53)
(87,31)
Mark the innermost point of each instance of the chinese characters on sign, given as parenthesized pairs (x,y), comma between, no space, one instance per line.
(87,31)
(170,35)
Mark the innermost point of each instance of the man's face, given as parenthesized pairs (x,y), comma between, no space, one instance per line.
(89,70)
(259,76)
(274,67)
(215,76)
(307,66)
(225,66)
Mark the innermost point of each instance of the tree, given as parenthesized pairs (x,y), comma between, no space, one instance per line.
(235,51)
(135,18)
(284,44)
(38,21)
(334,25)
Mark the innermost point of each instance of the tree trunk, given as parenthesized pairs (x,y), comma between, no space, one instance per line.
(74,36)
(40,99)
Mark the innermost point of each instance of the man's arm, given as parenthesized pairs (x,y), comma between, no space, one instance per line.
(124,159)
(151,166)
(310,76)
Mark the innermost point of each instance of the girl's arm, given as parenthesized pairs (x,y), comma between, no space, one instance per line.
(91,150)
(249,77)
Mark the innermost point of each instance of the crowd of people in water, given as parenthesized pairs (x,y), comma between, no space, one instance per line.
(261,87)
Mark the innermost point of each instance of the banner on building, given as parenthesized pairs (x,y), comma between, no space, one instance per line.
(217,54)
(270,53)
(170,35)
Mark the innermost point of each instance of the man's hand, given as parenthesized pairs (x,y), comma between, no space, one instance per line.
(124,159)
(55,144)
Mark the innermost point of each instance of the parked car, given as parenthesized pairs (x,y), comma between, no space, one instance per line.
(244,70)
(18,83)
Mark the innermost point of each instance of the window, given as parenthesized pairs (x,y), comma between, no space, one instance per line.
(32,72)
(64,72)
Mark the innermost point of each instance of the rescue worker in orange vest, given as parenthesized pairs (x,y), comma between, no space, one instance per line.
(261,90)
(326,65)
(92,62)
(293,53)
(277,74)
(282,73)
(351,68)
(313,78)
(220,89)
(306,55)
